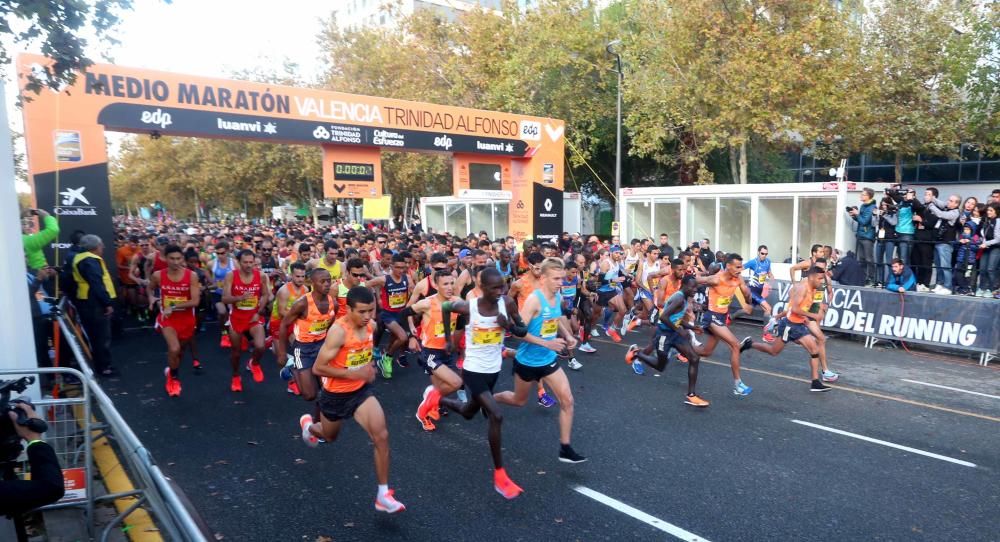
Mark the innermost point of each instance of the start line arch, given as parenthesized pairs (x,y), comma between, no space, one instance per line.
(515,157)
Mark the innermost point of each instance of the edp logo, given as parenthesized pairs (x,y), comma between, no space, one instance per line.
(158,118)
(444,142)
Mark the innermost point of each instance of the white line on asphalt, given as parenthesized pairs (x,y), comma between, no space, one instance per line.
(949,388)
(639,515)
(888,444)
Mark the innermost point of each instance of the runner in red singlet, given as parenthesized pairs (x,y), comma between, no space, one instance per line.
(180,293)
(247,291)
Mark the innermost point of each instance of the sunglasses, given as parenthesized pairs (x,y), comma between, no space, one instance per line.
(763,253)
(220,251)
(358,275)
(441,268)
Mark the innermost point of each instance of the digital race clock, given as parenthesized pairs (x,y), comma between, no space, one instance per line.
(344,171)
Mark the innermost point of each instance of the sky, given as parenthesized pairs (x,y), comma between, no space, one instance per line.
(209,38)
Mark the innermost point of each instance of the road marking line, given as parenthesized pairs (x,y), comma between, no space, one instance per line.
(668,528)
(850,389)
(949,388)
(887,444)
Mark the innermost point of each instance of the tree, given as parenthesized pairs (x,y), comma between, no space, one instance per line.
(59,26)
(713,75)
(983,85)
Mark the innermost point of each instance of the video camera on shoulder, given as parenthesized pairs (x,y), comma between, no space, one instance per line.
(898,193)
(10,441)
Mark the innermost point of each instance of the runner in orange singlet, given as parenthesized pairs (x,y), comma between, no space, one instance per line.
(345,365)
(308,320)
(722,286)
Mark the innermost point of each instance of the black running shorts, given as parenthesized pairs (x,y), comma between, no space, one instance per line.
(339,406)
(479,383)
(432,358)
(534,374)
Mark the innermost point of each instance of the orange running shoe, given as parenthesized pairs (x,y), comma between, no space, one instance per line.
(258,373)
(388,503)
(237,384)
(424,408)
(196,365)
(428,425)
(504,485)
(695,401)
(630,355)
(293,388)
(681,358)
(613,333)
(634,324)
(225,342)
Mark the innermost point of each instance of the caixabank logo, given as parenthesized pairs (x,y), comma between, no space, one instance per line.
(73,202)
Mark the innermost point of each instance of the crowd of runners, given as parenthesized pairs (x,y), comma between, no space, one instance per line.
(331,310)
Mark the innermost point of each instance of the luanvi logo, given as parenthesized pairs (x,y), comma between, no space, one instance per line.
(158,118)
(443,141)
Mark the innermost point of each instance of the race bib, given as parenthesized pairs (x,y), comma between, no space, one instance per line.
(487,336)
(397,301)
(654,282)
(247,303)
(762,278)
(171,301)
(439,329)
(817,297)
(319,327)
(724,301)
(358,359)
(550,328)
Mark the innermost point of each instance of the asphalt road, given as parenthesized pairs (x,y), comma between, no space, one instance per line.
(743,469)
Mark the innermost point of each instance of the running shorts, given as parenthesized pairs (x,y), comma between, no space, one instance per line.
(604,298)
(432,358)
(183,324)
(243,321)
(790,331)
(305,354)
(387,317)
(756,296)
(275,326)
(714,318)
(339,406)
(534,374)
(664,340)
(479,383)
(643,294)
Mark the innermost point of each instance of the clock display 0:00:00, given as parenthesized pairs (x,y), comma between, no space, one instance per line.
(343,171)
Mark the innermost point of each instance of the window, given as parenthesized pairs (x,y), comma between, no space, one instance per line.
(640,217)
(481,218)
(500,220)
(668,221)
(457,223)
(816,217)
(435,217)
(774,227)
(701,220)
(734,226)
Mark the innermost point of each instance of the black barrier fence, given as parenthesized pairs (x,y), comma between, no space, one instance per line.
(958,322)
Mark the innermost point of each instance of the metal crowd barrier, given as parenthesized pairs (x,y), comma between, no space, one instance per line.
(77,423)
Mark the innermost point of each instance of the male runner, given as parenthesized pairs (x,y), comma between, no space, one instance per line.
(760,273)
(609,293)
(247,291)
(344,363)
(489,316)
(801,308)
(672,332)
(287,295)
(180,293)
(721,287)
(222,266)
(819,305)
(308,319)
(394,294)
(435,356)
(328,261)
(536,356)
(649,274)
(520,290)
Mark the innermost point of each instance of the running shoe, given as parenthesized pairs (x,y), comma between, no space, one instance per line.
(681,358)
(546,400)
(830,376)
(505,486)
(818,386)
(388,503)
(236,384)
(225,342)
(586,348)
(630,354)
(311,440)
(595,332)
(742,390)
(568,455)
(286,373)
(462,396)
(573,364)
(196,365)
(637,366)
(627,320)
(695,401)
(403,360)
(172,385)
(268,342)
(614,335)
(427,424)
(746,344)
(767,337)
(423,410)
(258,373)
(634,324)
(385,367)
(293,388)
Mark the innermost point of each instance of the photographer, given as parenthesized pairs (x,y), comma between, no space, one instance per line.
(46,484)
(34,243)
(904,199)
(989,263)
(885,247)
(864,216)
(946,229)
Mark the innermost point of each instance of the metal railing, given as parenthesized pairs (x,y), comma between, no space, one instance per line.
(173,515)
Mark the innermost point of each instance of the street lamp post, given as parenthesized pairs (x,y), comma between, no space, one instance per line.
(618,128)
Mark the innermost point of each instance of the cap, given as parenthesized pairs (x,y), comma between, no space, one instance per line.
(162,240)
(616,248)
(464,253)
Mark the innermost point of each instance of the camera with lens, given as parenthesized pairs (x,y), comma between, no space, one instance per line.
(850,208)
(10,441)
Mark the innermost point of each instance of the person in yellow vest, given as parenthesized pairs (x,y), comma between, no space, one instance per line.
(95,298)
